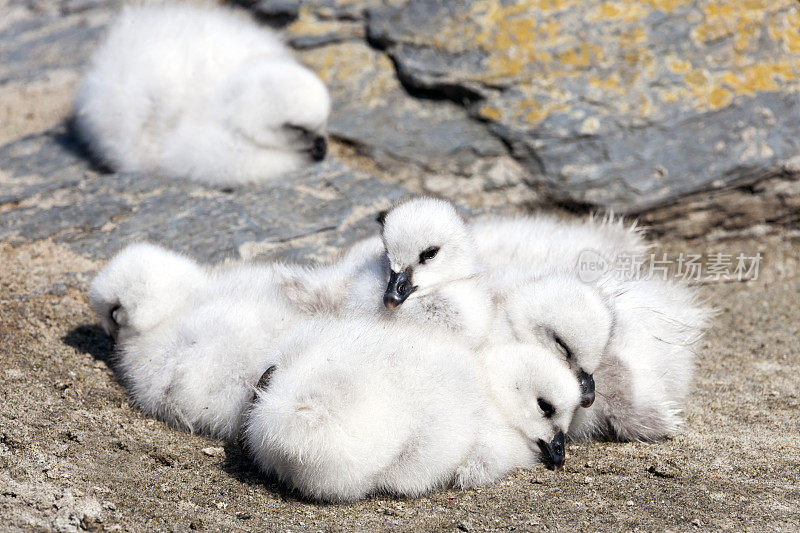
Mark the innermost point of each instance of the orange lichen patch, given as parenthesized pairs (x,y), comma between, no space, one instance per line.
(666,6)
(760,77)
(719,97)
(618,11)
(520,32)
(705,92)
(490,113)
(308,24)
(791,39)
(638,57)
(712,31)
(675,95)
(608,10)
(582,56)
(340,64)
(748,30)
(786,30)
(539,46)
(550,29)
(678,66)
(534,112)
(613,83)
(697,78)
(743,20)
(646,107)
(634,35)
(718,90)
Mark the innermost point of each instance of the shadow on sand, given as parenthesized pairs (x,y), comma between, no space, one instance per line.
(93,340)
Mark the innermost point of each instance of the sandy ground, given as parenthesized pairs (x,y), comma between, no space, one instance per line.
(74,453)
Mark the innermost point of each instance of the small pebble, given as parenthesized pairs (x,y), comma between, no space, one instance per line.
(62,385)
(214,451)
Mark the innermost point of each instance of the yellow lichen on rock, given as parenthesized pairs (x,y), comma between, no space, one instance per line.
(490,113)
(666,6)
(341,63)
(619,10)
(552,51)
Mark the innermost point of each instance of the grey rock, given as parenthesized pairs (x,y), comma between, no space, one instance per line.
(55,194)
(625,106)
(374,112)
(61,37)
(277,9)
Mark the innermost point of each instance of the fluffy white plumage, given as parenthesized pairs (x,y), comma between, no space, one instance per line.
(352,284)
(457,385)
(198,372)
(191,342)
(359,406)
(514,248)
(196,366)
(558,310)
(199,92)
(512,294)
(143,286)
(447,289)
(522,267)
(434,274)
(638,336)
(644,375)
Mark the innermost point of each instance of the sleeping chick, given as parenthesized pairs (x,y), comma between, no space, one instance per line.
(201,92)
(358,406)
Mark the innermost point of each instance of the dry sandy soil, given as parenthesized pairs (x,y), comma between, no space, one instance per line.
(74,453)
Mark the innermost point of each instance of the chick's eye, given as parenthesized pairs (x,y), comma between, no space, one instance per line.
(297,130)
(546,407)
(428,254)
(563,347)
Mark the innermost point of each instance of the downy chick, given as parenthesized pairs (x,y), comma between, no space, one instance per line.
(644,376)
(434,275)
(191,341)
(143,286)
(361,406)
(201,92)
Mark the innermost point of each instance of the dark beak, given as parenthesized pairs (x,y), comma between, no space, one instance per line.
(397,291)
(263,382)
(586,382)
(266,377)
(319,149)
(553,453)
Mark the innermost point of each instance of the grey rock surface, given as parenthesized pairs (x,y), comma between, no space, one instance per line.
(623,105)
(372,110)
(583,105)
(52,193)
(37,38)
